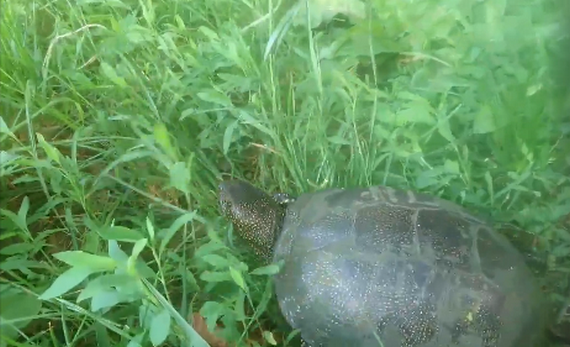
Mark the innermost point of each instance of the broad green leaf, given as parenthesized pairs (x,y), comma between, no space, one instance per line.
(146,314)
(23,211)
(416,112)
(104,282)
(180,22)
(16,248)
(111,74)
(428,178)
(238,278)
(18,310)
(5,159)
(268,336)
(119,233)
(15,219)
(102,337)
(238,265)
(91,241)
(51,151)
(162,137)
(159,327)
(94,287)
(188,276)
(148,12)
(143,270)
(214,276)
(484,121)
(4,129)
(256,123)
(191,335)
(16,263)
(216,260)
(451,166)
(131,289)
(180,176)
(240,302)
(136,341)
(150,228)
(212,35)
(104,299)
(339,140)
(86,260)
(55,180)
(65,282)
(133,259)
(212,311)
(228,136)
(533,89)
(270,269)
(215,97)
(116,252)
(138,247)
(208,248)
(445,130)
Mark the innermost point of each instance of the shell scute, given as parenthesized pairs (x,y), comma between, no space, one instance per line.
(381,228)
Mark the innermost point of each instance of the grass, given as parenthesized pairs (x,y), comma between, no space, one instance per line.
(119,118)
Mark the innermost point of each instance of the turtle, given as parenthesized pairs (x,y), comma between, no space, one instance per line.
(380,266)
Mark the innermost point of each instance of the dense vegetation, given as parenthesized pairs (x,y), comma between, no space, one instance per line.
(120,117)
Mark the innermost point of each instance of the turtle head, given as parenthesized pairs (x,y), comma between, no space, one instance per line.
(256,216)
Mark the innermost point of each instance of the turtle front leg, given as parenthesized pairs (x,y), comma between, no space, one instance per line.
(304,343)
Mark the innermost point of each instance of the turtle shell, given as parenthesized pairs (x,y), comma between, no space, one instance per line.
(383,267)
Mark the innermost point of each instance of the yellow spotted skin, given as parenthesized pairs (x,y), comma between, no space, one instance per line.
(377,266)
